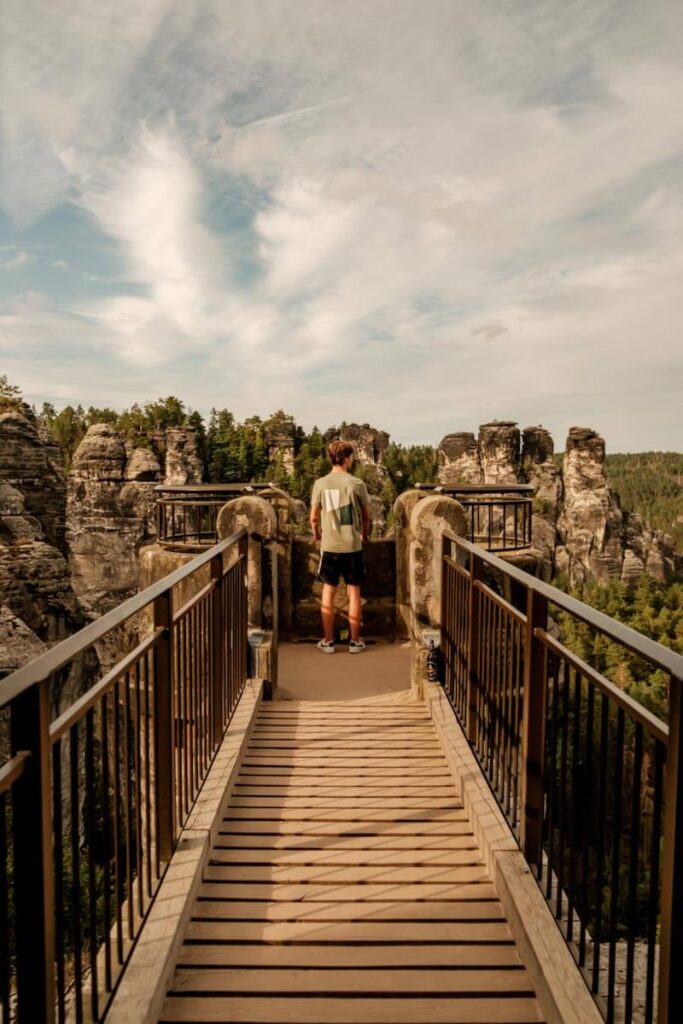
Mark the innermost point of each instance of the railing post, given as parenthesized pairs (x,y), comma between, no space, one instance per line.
(163,726)
(473,646)
(33,864)
(671,937)
(243,552)
(218,628)
(533,727)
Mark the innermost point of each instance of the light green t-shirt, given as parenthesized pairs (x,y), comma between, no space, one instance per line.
(340,497)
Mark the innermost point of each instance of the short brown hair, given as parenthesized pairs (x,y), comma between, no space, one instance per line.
(340,450)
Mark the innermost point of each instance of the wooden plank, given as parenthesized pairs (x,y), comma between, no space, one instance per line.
(345,827)
(358,762)
(330,875)
(327,775)
(382,787)
(300,910)
(356,857)
(342,931)
(357,814)
(389,843)
(367,892)
(264,955)
(351,1010)
(362,744)
(352,803)
(340,982)
(293,780)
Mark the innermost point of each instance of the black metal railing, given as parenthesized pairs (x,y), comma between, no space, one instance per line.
(590,781)
(92,802)
(499,517)
(187,513)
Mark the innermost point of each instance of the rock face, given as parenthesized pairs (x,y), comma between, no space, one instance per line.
(538,469)
(579,527)
(370,443)
(110,516)
(459,460)
(28,465)
(596,540)
(499,450)
(38,606)
(590,526)
(184,464)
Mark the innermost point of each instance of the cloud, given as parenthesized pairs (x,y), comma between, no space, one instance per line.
(22,259)
(338,208)
(60,264)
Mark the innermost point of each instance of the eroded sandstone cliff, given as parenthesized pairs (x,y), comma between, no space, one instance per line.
(579,527)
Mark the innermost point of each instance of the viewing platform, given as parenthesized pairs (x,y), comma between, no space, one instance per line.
(466,823)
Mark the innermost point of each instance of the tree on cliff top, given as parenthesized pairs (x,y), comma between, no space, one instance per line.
(10,394)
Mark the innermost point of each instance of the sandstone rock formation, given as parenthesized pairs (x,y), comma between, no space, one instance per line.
(184,464)
(110,515)
(370,445)
(459,460)
(28,465)
(596,540)
(579,528)
(499,444)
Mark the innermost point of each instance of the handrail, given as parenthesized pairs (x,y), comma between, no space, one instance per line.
(655,652)
(589,779)
(94,801)
(58,656)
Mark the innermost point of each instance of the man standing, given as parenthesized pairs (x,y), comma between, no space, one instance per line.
(341,520)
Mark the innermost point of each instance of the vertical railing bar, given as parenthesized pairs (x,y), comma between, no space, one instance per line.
(600,851)
(552,774)
(106,852)
(91,841)
(575,820)
(653,900)
(616,861)
(563,668)
(634,850)
(138,794)
(118,881)
(58,843)
(75,872)
(4,915)
(588,789)
(128,806)
(148,768)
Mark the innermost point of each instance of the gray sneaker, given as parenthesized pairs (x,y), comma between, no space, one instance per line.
(356,646)
(326,646)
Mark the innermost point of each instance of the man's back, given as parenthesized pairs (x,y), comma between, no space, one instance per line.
(340,497)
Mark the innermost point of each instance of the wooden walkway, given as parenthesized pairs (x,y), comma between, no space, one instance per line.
(346,884)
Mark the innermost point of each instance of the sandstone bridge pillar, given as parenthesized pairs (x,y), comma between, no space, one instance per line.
(428,520)
(259,519)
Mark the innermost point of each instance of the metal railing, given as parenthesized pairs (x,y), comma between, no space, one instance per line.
(187,513)
(590,781)
(499,517)
(92,803)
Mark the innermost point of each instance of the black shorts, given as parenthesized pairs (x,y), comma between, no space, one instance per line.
(348,564)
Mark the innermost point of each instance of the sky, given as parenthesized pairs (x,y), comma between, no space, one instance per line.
(422,214)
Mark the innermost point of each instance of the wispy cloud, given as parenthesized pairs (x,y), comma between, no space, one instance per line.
(398,211)
(22,259)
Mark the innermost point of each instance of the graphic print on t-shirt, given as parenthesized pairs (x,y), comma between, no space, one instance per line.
(341,515)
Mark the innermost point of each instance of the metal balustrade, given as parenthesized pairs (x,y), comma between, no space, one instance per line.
(187,513)
(92,802)
(590,781)
(499,517)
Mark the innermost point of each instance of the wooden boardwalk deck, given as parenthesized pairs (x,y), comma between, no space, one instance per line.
(346,884)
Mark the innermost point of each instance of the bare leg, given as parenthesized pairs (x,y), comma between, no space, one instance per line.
(327,610)
(354,610)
